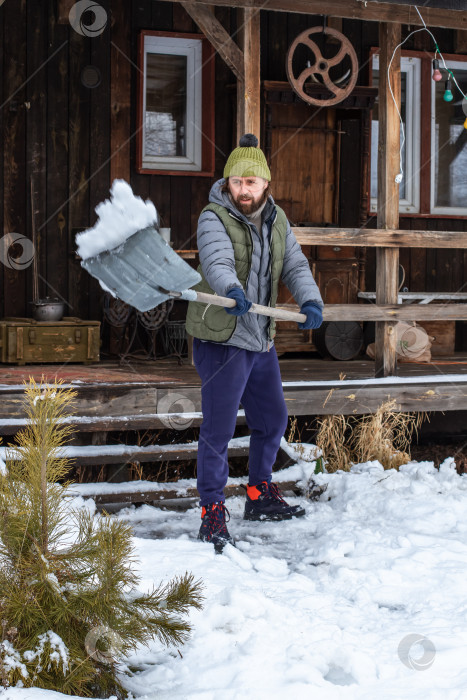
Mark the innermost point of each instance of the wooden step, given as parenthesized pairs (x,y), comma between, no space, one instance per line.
(109,423)
(159,493)
(88,455)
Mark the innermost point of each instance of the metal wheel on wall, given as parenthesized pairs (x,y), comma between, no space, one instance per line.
(341,340)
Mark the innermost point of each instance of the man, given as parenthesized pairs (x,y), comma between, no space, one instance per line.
(245,245)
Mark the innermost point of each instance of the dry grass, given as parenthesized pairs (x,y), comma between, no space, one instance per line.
(332,441)
(385,436)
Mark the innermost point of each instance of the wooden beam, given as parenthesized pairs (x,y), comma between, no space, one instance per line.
(366,398)
(391,312)
(390,238)
(387,259)
(120,93)
(249,91)
(218,36)
(367,11)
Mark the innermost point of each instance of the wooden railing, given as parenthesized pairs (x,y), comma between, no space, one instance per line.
(380,238)
(387,238)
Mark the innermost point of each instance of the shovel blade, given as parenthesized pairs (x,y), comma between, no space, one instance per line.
(140,270)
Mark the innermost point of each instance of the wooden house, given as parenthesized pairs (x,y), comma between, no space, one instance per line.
(82,85)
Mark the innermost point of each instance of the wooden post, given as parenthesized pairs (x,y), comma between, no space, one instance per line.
(120,94)
(387,259)
(248,92)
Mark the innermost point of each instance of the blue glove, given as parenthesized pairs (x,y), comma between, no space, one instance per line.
(314,315)
(242,303)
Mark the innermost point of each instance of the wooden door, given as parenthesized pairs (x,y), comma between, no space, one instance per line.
(303,149)
(303,146)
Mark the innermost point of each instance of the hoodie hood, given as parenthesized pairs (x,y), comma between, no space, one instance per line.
(217,196)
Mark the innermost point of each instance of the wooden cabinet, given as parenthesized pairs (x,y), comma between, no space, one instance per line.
(23,340)
(337,280)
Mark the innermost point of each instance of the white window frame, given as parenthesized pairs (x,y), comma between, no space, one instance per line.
(411,203)
(434,210)
(192,49)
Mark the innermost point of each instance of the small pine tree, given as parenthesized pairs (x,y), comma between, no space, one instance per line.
(68,590)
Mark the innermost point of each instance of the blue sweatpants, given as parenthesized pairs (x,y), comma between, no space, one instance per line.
(230,376)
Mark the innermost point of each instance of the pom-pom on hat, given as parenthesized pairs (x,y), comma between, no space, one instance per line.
(247,160)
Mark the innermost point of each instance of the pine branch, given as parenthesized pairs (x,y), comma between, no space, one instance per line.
(65,573)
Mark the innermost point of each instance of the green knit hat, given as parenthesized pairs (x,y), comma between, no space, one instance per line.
(247,160)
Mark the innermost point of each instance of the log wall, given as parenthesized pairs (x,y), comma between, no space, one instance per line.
(72,141)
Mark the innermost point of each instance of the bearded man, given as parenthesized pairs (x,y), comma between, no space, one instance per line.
(245,246)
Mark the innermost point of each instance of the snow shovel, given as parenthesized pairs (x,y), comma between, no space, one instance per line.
(144,271)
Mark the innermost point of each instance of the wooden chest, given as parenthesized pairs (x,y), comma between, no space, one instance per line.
(23,340)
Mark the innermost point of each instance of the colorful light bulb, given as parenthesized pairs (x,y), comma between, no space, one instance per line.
(465,123)
(448,96)
(437,75)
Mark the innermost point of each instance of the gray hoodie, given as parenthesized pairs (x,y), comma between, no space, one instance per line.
(217,261)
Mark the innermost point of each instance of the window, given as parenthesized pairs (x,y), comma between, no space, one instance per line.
(434,155)
(175,104)
(449,152)
(409,189)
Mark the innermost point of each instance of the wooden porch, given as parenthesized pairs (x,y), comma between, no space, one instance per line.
(163,394)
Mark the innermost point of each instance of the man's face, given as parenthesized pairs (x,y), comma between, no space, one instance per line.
(248,193)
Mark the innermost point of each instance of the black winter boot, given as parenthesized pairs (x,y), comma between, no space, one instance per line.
(213,528)
(264,502)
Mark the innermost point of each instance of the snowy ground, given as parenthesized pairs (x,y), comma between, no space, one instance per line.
(317,608)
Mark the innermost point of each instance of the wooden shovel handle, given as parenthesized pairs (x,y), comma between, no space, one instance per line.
(274,312)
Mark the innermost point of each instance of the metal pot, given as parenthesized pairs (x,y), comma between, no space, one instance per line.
(48,309)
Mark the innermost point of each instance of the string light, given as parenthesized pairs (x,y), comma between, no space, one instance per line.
(437,75)
(437,51)
(448,96)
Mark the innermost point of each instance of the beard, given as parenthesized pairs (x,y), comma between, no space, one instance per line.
(248,204)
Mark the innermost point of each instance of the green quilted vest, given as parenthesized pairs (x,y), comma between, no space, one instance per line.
(210,322)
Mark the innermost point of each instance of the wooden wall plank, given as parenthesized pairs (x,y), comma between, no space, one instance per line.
(180,211)
(56,223)
(275,45)
(349,178)
(79,169)
(162,17)
(142,17)
(182,22)
(224,115)
(120,91)
(14,154)
(36,131)
(99,146)
(159,193)
(3,230)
